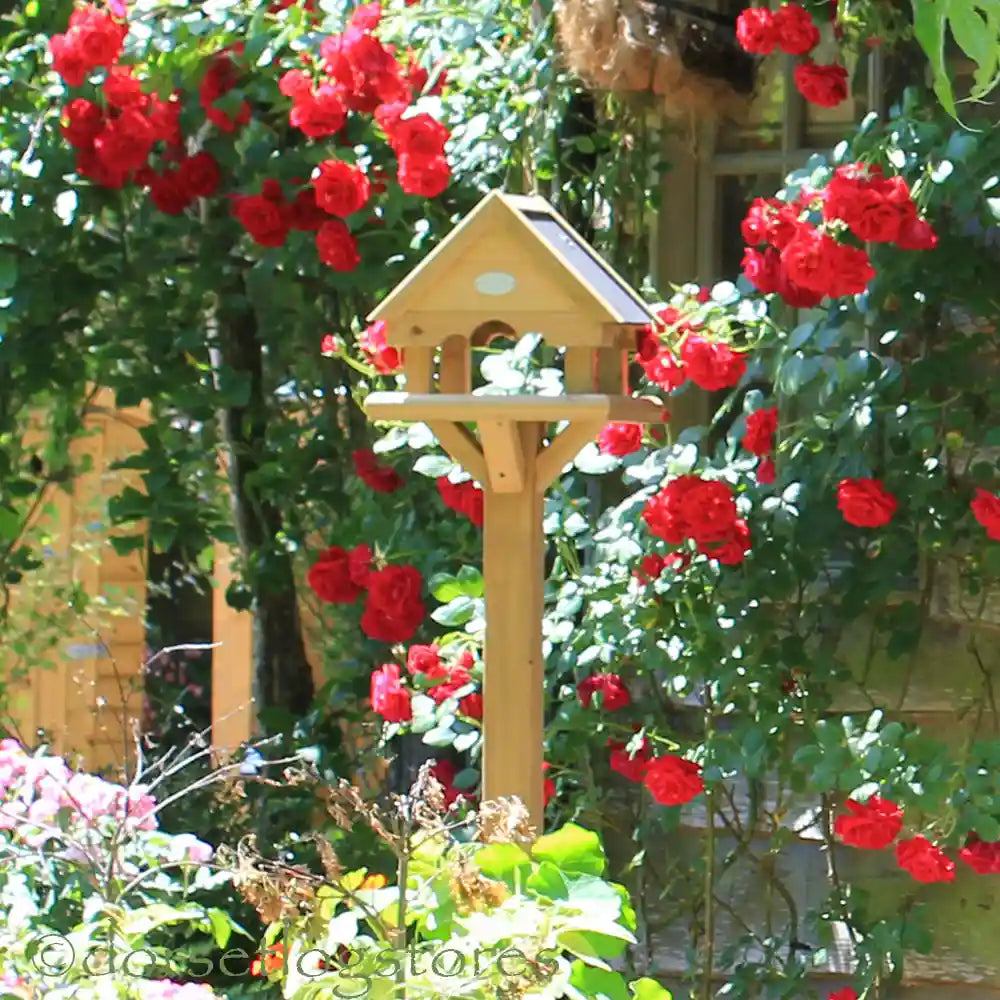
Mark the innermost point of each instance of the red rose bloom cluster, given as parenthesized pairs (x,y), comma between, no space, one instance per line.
(876,209)
(448,678)
(357,74)
(614,694)
(673,780)
(703,511)
(465,498)
(758,439)
(872,825)
(865,503)
(791,29)
(985,507)
(654,357)
(620,439)
(380,478)
(393,607)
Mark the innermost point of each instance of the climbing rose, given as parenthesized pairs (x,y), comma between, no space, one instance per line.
(425,660)
(825,86)
(340,188)
(381,478)
(337,247)
(424,176)
(445,772)
(756,31)
(331,579)
(317,114)
(865,503)
(385,359)
(794,29)
(672,780)
(916,234)
(199,175)
(93,39)
(219,79)
(465,498)
(620,439)
(874,208)
(263,215)
(817,262)
(650,568)
(762,269)
(761,426)
(871,825)
(83,120)
(390,699)
(711,365)
(614,694)
(985,507)
(766,472)
(845,994)
(924,861)
(631,767)
(691,507)
(394,610)
(732,549)
(983,857)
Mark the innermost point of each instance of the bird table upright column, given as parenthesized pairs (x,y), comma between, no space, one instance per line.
(514,576)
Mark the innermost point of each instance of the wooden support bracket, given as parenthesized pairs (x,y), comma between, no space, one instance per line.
(505,458)
(462,447)
(564,448)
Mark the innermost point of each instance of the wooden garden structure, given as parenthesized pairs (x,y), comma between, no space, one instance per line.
(513,266)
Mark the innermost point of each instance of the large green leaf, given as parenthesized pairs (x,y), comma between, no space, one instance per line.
(572,849)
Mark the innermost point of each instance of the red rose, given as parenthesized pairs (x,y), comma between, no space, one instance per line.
(199,174)
(390,699)
(692,507)
(672,780)
(816,261)
(89,164)
(795,295)
(220,78)
(661,368)
(340,188)
(83,120)
(372,341)
(711,365)
(336,245)
(650,568)
(629,766)
(614,694)
(924,861)
(760,429)
(93,39)
(731,550)
(825,86)
(620,439)
(766,472)
(425,660)
(378,477)
(762,269)
(755,31)
(424,176)
(265,219)
(165,120)
(445,772)
(873,208)
(330,577)
(295,84)
(359,564)
(122,90)
(125,142)
(983,857)
(419,136)
(845,994)
(465,498)
(793,26)
(394,610)
(318,114)
(865,503)
(168,192)
(985,507)
(872,825)
(916,234)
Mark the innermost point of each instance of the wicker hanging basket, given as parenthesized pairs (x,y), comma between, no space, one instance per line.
(685,55)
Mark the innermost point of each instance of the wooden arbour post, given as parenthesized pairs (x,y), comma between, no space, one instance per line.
(512,267)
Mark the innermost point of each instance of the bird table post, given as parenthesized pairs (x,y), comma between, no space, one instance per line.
(513,266)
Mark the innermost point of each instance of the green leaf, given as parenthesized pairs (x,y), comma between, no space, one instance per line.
(548,881)
(506,862)
(433,466)
(471,580)
(572,849)
(929,22)
(222,926)
(649,989)
(598,984)
(456,612)
(8,270)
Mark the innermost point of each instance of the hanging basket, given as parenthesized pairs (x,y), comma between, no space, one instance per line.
(685,55)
